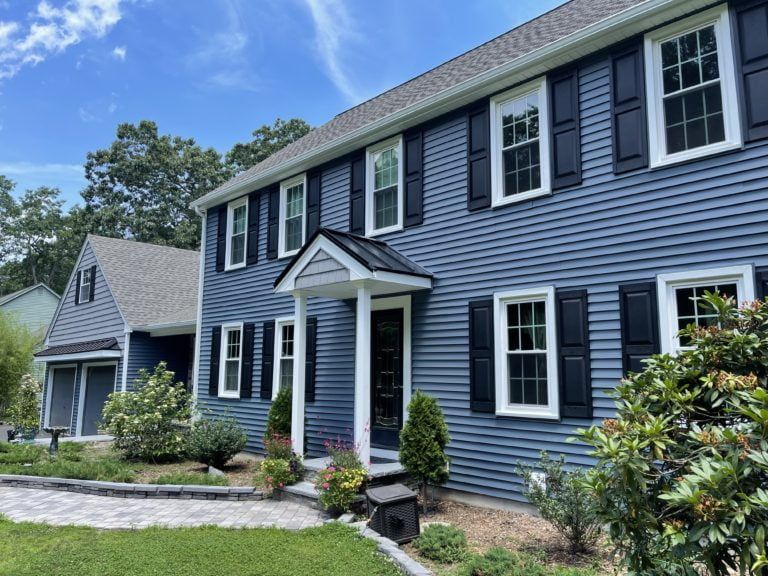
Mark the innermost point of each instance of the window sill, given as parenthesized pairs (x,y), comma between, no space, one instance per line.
(234,267)
(229,395)
(517,198)
(290,254)
(532,413)
(382,231)
(695,154)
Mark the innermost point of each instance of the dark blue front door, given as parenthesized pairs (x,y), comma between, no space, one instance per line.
(386,378)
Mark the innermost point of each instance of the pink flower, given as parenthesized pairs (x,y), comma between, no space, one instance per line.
(331,469)
(269,479)
(326,485)
(281,484)
(327,476)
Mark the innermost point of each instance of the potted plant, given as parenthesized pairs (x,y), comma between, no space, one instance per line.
(23,411)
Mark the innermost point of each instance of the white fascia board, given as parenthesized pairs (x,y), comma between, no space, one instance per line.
(95,355)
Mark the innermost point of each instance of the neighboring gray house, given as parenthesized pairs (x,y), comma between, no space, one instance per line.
(33,307)
(127,306)
(509,232)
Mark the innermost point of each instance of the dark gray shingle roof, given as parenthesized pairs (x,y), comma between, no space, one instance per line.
(151,284)
(550,27)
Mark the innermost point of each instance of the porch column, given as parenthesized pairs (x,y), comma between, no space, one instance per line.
(363,376)
(299,363)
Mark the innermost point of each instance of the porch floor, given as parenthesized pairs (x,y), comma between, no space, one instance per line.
(376,470)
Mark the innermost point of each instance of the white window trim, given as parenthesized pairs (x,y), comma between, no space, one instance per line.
(396,142)
(503,407)
(653,81)
(230,217)
(225,329)
(497,139)
(742,276)
(279,323)
(83,284)
(284,185)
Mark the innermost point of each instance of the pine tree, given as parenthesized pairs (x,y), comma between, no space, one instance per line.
(279,417)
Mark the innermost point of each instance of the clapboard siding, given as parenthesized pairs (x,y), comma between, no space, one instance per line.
(608,231)
(34,309)
(146,352)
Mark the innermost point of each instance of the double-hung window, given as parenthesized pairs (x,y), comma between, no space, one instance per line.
(237,226)
(231,360)
(681,304)
(692,89)
(85,285)
(283,376)
(384,187)
(519,144)
(526,360)
(293,208)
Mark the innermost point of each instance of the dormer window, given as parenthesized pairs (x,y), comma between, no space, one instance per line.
(237,225)
(84,289)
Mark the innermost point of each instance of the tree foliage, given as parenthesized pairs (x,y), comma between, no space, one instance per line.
(682,474)
(16,346)
(266,141)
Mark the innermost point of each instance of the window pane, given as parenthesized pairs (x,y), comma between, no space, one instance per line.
(673,110)
(689,72)
(676,138)
(237,249)
(669,54)
(385,208)
(231,377)
(385,169)
(671,78)
(294,201)
(238,220)
(521,169)
(694,105)
(696,134)
(286,373)
(709,68)
(293,233)
(685,305)
(689,46)
(287,340)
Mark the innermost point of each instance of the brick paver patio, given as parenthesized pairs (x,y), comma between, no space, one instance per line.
(61,508)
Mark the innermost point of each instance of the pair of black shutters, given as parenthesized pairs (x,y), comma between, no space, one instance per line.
(565,148)
(267,360)
(311,221)
(572,350)
(413,152)
(91,289)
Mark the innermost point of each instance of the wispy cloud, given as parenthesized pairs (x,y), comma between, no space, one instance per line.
(86,116)
(69,178)
(119,53)
(334,30)
(49,30)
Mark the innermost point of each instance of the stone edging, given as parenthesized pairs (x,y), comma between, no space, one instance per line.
(393,552)
(124,490)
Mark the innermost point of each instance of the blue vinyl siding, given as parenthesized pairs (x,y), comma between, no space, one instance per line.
(608,231)
(146,352)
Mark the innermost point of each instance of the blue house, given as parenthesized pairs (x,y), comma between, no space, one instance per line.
(509,232)
(127,306)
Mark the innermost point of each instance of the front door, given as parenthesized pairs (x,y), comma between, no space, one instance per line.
(62,395)
(100,381)
(386,378)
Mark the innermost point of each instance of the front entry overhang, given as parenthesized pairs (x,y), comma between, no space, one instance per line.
(344,266)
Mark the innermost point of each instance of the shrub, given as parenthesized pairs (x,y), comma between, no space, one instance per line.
(146,422)
(278,446)
(191,478)
(17,344)
(683,468)
(23,413)
(277,473)
(564,500)
(343,454)
(338,487)
(104,469)
(422,443)
(215,441)
(279,417)
(21,454)
(502,562)
(442,543)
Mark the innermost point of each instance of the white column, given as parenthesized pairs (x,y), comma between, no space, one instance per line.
(363,376)
(299,363)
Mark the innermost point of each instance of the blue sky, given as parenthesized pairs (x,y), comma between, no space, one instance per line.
(213,70)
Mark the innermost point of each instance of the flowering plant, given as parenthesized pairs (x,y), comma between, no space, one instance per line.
(342,454)
(278,446)
(22,413)
(278,473)
(338,486)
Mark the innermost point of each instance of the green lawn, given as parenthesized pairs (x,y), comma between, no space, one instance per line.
(42,550)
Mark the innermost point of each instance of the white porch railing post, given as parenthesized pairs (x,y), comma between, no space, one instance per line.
(363,376)
(299,363)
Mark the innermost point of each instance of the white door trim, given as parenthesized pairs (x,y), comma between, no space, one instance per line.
(83,388)
(49,393)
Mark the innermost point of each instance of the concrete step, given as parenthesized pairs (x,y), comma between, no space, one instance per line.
(302,492)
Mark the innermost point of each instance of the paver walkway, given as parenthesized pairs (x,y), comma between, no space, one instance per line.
(61,508)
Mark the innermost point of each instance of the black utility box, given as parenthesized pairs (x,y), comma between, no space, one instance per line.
(394,512)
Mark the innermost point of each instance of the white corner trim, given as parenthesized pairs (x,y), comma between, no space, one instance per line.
(225,328)
(278,340)
(126,359)
(284,185)
(396,143)
(742,276)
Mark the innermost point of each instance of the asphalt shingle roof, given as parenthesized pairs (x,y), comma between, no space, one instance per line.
(547,28)
(13,295)
(80,347)
(151,284)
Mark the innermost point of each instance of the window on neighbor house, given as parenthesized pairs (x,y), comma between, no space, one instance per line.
(237,225)
(284,329)
(691,85)
(526,378)
(85,285)
(231,360)
(293,204)
(519,141)
(384,190)
(681,304)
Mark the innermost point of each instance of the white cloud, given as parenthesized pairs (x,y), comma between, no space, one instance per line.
(334,28)
(119,53)
(86,116)
(69,178)
(49,30)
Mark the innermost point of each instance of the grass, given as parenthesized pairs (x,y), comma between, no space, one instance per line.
(191,478)
(499,561)
(41,550)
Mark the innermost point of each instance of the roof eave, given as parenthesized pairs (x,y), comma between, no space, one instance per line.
(591,39)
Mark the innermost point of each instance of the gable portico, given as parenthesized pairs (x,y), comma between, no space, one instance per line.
(344,266)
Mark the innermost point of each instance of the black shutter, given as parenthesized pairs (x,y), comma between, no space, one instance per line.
(77,286)
(482,389)
(213,376)
(628,113)
(92,289)
(310,364)
(413,181)
(639,324)
(479,157)
(761,279)
(573,354)
(750,24)
(314,184)
(564,128)
(273,222)
(253,229)
(246,367)
(357,195)
(221,238)
(267,359)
